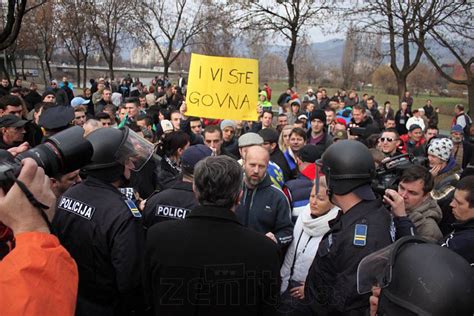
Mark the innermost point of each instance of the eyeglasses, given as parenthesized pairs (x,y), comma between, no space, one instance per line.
(388,139)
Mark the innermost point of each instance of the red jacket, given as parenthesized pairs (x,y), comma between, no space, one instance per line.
(405,139)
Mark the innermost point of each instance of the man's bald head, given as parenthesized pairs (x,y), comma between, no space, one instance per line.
(257,152)
(255,165)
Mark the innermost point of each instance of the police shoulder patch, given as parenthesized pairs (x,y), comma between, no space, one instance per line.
(133,208)
(76,207)
(360,235)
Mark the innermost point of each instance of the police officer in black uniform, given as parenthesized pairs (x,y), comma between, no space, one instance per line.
(362,227)
(177,201)
(102,229)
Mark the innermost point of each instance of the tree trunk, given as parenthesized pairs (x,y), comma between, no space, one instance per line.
(470,97)
(401,86)
(48,67)
(166,67)
(3,67)
(84,71)
(289,61)
(46,83)
(110,61)
(78,70)
(13,60)
(23,68)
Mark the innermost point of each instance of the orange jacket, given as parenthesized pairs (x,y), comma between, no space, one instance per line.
(38,277)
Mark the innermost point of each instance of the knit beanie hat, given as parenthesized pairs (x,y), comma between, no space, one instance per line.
(441,148)
(318,114)
(227,123)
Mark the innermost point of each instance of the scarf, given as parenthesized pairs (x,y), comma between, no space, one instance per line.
(318,226)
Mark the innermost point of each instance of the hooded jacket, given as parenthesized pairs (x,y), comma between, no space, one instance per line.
(266,209)
(426,217)
(265,103)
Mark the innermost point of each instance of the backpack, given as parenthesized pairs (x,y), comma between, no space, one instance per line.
(467,128)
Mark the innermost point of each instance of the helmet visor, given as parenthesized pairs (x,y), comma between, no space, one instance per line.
(135,151)
(375,270)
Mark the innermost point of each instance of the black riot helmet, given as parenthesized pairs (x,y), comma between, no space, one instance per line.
(347,165)
(418,278)
(114,147)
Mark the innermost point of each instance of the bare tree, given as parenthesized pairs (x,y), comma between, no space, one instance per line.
(171,26)
(218,35)
(383,77)
(112,25)
(305,62)
(271,66)
(74,26)
(286,18)
(40,31)
(11,17)
(349,57)
(361,56)
(400,21)
(422,78)
(453,29)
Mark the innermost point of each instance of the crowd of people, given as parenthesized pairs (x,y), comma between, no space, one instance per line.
(303,212)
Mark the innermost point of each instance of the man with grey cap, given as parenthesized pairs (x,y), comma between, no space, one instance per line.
(177,201)
(12,131)
(229,140)
(252,139)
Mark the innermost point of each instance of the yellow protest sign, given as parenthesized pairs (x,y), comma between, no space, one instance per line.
(222,88)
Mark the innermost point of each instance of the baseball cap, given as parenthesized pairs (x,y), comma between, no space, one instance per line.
(302,117)
(77,101)
(413,127)
(250,139)
(11,120)
(192,155)
(457,128)
(295,102)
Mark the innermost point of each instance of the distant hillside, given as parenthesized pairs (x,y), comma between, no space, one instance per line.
(329,51)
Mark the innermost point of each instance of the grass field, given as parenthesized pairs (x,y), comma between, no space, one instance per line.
(445,104)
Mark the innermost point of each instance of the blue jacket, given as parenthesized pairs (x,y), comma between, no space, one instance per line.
(266,209)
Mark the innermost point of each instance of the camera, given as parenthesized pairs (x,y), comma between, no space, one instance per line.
(61,153)
(387,175)
(358,131)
